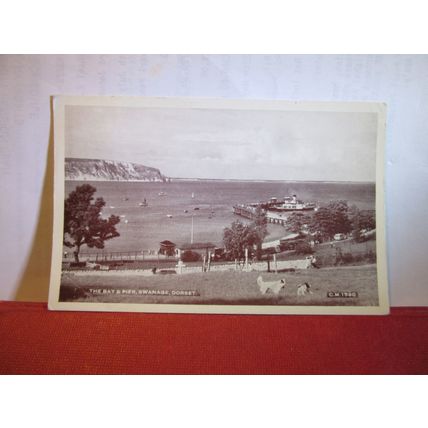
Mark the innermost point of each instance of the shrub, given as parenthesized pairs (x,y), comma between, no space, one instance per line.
(167,271)
(190,256)
(347,258)
(371,257)
(304,247)
(77,265)
(358,258)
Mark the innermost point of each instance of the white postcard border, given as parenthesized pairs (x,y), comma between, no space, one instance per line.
(59,104)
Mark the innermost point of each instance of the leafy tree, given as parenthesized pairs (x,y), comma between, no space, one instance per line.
(364,219)
(339,213)
(361,219)
(239,237)
(331,219)
(295,222)
(323,223)
(83,224)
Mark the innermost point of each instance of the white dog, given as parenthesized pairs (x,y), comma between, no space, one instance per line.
(274,286)
(303,289)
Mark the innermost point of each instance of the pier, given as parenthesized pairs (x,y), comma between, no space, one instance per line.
(249,211)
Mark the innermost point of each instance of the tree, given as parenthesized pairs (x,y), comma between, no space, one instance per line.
(295,222)
(83,224)
(237,238)
(339,213)
(364,219)
(323,223)
(331,219)
(361,220)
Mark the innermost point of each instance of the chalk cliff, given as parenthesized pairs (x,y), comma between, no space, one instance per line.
(107,170)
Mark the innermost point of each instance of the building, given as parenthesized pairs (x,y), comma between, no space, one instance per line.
(167,248)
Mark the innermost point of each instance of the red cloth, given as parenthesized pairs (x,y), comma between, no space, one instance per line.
(36,341)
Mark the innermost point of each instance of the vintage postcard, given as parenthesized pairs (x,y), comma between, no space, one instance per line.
(218,206)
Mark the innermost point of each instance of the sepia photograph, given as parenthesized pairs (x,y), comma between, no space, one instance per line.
(218,206)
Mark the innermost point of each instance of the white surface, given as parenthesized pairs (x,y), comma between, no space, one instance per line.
(26,82)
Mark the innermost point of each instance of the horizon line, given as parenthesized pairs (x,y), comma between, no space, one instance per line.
(254,180)
(223,179)
(271,180)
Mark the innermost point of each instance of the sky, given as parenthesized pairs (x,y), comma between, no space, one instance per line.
(228,144)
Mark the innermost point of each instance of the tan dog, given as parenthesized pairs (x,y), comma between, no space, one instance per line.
(274,286)
(303,289)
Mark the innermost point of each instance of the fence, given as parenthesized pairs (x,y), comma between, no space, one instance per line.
(255,266)
(182,268)
(119,256)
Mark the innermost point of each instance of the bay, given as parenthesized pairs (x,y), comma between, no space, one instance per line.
(171,207)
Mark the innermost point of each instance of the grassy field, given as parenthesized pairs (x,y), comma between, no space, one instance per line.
(353,253)
(226,288)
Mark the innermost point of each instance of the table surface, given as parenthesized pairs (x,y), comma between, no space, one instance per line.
(37,341)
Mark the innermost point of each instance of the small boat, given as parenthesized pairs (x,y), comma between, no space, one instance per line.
(193,195)
(144,203)
(125,199)
(162,194)
(196,208)
(186,211)
(112,207)
(169,215)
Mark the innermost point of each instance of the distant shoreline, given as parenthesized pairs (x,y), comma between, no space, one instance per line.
(268,181)
(225,180)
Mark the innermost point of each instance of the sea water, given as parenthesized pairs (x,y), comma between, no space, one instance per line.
(177,208)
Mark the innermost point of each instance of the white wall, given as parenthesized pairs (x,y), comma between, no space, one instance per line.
(26,82)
